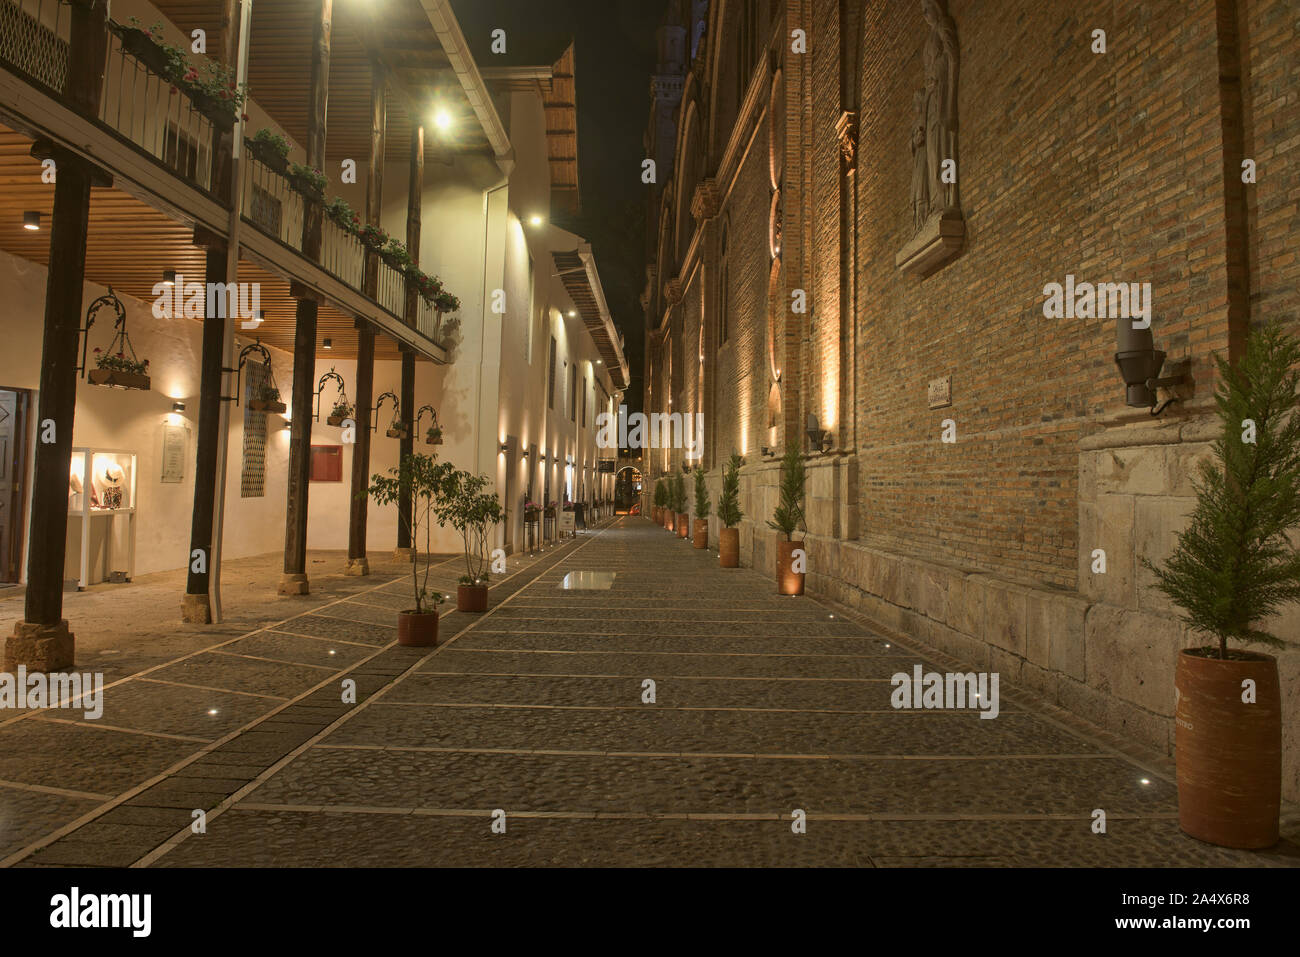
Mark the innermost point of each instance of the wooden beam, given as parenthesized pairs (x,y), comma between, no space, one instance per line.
(196,607)
(42,640)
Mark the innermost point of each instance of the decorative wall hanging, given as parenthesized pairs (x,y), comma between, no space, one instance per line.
(119,366)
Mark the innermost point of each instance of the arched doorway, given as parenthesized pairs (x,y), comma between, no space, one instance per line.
(627,490)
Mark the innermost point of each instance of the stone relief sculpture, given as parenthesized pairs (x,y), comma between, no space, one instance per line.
(940,101)
(937,228)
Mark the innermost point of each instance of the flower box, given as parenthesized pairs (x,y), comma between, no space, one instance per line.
(268,156)
(222,113)
(267,405)
(397,433)
(433,437)
(141,45)
(118,379)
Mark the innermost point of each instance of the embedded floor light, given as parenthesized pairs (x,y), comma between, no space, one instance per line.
(32,220)
(169,276)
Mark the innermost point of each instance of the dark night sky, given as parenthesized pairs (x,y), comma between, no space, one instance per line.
(614,48)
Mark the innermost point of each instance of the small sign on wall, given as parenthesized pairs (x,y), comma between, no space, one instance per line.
(941,392)
(176,440)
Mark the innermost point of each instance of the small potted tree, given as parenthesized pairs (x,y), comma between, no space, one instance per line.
(679,505)
(787,519)
(701,529)
(465,504)
(1232,568)
(420,478)
(729,514)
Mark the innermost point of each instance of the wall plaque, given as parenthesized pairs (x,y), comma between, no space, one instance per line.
(941,392)
(176,439)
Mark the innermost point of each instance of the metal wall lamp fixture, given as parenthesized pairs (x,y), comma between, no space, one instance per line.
(1139,363)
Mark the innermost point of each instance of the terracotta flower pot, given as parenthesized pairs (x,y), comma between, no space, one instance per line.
(417,631)
(683,525)
(701,533)
(669,519)
(788,581)
(471,597)
(1228,751)
(729,547)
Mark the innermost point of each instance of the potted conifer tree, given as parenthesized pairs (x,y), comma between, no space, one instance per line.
(729,514)
(700,533)
(1233,567)
(659,502)
(670,510)
(679,505)
(420,477)
(464,504)
(787,519)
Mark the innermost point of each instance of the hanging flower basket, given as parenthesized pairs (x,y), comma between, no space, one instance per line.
(395,431)
(268,401)
(118,379)
(119,370)
(433,437)
(342,410)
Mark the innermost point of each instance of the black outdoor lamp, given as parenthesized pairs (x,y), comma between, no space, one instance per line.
(817,436)
(1139,363)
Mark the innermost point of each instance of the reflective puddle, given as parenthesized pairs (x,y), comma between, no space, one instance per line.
(588,581)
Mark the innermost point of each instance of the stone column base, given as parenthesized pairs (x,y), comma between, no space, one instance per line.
(294,584)
(357,567)
(196,609)
(39,647)
(404,554)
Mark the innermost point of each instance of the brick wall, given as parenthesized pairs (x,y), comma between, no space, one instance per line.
(1104,166)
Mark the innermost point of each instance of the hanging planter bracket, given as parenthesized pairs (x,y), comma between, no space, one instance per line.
(374,417)
(330,376)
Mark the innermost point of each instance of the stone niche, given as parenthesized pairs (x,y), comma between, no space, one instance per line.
(938,229)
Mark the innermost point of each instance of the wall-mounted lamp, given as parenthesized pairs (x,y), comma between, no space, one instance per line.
(535,220)
(178,406)
(572,313)
(506,448)
(169,277)
(764,451)
(32,220)
(818,438)
(1139,364)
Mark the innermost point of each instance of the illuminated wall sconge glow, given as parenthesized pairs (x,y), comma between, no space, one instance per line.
(535,220)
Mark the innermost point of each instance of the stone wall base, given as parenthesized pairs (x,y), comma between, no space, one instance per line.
(196,609)
(39,647)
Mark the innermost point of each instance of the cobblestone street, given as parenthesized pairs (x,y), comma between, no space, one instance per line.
(763,705)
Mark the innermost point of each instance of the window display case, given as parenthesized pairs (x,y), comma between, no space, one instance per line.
(101,515)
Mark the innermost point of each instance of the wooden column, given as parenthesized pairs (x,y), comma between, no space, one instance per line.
(294,580)
(358,563)
(415,194)
(196,606)
(42,640)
